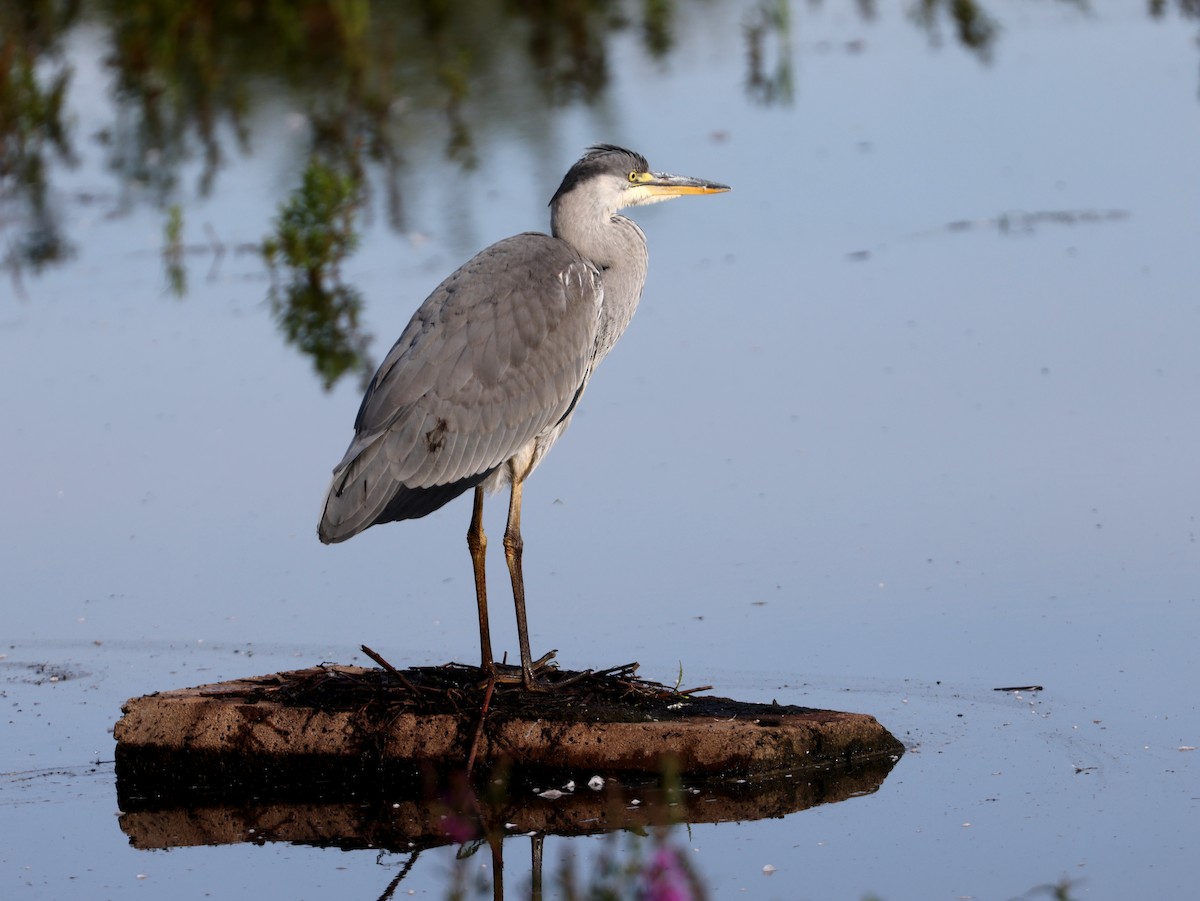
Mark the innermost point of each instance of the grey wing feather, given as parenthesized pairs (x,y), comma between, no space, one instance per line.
(495,356)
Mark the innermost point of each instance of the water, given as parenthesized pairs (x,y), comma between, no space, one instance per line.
(906,417)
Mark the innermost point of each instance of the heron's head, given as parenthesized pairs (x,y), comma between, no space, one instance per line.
(609,178)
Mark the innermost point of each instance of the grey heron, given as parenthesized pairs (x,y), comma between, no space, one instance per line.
(485,377)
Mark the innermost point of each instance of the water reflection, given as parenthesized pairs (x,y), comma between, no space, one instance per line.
(367,83)
(769,53)
(34,78)
(973,26)
(313,233)
(368,79)
(398,816)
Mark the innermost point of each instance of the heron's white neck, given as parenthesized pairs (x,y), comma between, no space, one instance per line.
(617,247)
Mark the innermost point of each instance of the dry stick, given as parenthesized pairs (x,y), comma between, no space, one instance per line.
(692,691)
(391,669)
(404,871)
(624,668)
(487,699)
(570,680)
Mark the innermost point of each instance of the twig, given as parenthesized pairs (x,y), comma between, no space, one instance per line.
(404,871)
(571,680)
(625,669)
(487,699)
(391,669)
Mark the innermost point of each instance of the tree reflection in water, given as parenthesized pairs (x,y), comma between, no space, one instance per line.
(369,81)
(34,78)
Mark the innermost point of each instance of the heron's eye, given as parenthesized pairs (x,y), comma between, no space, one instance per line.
(633,176)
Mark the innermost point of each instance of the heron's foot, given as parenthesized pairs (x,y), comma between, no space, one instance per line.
(507,674)
(538,677)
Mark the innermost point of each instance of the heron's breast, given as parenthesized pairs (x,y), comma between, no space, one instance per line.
(521,464)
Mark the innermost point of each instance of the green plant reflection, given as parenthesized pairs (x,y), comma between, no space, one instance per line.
(34,78)
(314,232)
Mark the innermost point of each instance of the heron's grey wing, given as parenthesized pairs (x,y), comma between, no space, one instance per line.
(495,355)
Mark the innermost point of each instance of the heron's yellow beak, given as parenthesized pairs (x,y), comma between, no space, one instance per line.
(661,184)
(651,187)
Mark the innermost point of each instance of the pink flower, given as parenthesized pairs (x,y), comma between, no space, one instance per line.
(459,829)
(665,878)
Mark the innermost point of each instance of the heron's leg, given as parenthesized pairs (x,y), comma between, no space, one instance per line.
(477,542)
(513,546)
(535,892)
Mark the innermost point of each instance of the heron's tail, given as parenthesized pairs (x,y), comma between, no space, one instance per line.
(363,493)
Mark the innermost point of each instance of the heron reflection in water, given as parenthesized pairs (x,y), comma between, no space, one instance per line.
(485,377)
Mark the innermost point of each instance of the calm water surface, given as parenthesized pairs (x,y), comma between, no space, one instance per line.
(908,416)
